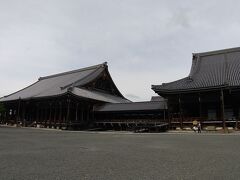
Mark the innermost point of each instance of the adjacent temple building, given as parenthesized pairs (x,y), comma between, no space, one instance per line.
(88,98)
(209,94)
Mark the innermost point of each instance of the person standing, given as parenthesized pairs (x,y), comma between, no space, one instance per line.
(199,127)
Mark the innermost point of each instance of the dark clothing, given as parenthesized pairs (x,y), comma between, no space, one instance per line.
(199,128)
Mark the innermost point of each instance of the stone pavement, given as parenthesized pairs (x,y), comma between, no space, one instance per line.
(43,154)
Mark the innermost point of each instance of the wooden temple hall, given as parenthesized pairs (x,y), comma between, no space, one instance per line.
(62,100)
(209,94)
(81,99)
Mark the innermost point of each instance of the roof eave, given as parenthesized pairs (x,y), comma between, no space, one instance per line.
(190,90)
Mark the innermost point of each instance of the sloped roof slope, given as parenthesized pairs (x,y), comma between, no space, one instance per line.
(209,70)
(97,95)
(59,84)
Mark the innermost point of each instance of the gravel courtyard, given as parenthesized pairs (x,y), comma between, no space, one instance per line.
(48,154)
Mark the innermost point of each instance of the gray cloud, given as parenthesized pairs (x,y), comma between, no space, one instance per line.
(145,42)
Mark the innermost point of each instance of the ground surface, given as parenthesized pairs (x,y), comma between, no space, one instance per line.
(46,154)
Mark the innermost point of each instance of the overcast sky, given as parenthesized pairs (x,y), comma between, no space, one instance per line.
(144,41)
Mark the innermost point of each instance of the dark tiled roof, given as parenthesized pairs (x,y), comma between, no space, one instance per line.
(133,106)
(209,70)
(59,84)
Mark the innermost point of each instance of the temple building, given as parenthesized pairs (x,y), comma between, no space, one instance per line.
(209,94)
(81,99)
(64,100)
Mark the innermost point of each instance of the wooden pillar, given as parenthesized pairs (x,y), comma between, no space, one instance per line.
(18,111)
(29,112)
(169,115)
(76,113)
(180,112)
(55,114)
(24,114)
(236,126)
(88,113)
(200,106)
(60,113)
(237,117)
(40,119)
(222,110)
(6,114)
(50,114)
(93,117)
(37,114)
(45,116)
(82,109)
(164,111)
(68,111)
(42,114)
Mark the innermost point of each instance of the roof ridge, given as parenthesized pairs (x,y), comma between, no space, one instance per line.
(73,71)
(215,52)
